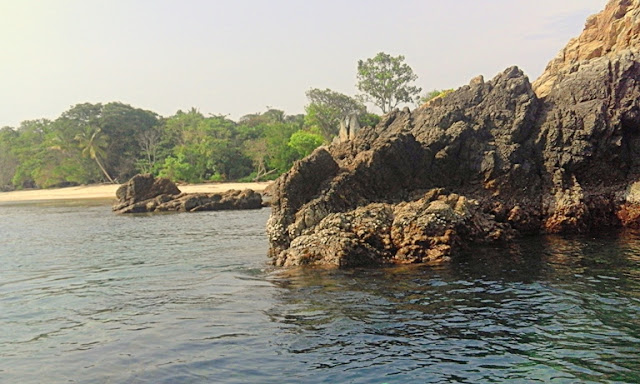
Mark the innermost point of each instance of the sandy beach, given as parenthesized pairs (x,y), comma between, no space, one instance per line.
(108,191)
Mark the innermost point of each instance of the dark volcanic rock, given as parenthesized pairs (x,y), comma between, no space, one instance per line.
(144,193)
(485,163)
(590,133)
(142,188)
(476,142)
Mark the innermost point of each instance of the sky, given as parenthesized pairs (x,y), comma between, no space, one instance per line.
(245,56)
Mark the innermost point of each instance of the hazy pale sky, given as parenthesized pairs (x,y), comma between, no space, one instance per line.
(238,57)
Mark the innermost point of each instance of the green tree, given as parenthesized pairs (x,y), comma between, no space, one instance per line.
(205,148)
(327,108)
(177,126)
(369,120)
(121,126)
(64,163)
(8,160)
(177,168)
(30,148)
(48,154)
(304,142)
(256,150)
(94,145)
(264,138)
(386,81)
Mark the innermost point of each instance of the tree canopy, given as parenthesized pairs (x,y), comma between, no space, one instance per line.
(94,143)
(386,81)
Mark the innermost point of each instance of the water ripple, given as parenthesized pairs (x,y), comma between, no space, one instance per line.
(189,298)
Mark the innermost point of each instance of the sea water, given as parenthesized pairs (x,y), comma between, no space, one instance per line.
(87,296)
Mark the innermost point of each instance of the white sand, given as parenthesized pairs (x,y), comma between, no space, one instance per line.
(108,191)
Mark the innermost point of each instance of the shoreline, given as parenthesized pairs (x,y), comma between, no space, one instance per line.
(108,191)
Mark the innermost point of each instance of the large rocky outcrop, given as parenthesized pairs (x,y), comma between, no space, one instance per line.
(144,193)
(487,162)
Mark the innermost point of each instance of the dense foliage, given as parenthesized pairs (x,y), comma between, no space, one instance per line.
(93,143)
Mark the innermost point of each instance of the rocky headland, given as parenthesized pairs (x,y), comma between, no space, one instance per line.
(484,164)
(144,193)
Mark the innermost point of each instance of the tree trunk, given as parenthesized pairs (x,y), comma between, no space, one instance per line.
(104,170)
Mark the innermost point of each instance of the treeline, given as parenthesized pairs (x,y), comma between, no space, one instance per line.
(94,143)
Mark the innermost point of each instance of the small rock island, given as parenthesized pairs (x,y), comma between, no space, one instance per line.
(144,193)
(484,164)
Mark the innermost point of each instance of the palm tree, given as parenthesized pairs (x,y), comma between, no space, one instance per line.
(93,145)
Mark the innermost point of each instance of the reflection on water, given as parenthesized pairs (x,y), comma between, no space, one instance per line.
(559,310)
(87,296)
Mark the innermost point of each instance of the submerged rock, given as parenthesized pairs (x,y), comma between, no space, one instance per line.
(144,193)
(488,162)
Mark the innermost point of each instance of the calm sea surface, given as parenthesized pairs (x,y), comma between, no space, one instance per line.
(90,297)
